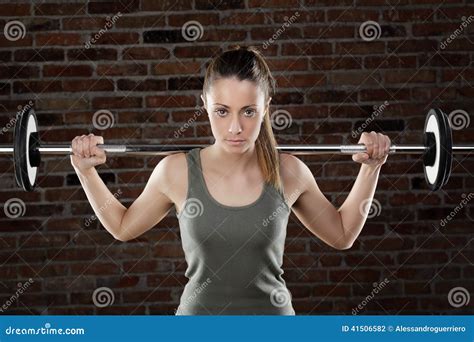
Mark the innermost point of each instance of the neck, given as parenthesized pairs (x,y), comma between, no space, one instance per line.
(238,161)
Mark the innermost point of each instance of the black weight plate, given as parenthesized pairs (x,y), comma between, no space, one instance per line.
(437,174)
(25,158)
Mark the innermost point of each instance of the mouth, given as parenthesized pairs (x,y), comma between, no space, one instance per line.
(236,140)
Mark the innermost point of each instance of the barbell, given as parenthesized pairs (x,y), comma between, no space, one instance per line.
(437,149)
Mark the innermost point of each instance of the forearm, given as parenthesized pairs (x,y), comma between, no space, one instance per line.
(352,215)
(107,208)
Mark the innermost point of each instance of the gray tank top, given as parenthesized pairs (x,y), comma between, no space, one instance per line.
(234,254)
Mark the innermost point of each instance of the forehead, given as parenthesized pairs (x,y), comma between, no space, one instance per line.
(231,91)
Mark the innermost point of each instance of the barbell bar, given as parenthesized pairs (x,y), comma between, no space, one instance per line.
(437,149)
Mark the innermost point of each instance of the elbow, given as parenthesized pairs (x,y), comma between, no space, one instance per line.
(119,233)
(343,246)
(346,241)
(120,236)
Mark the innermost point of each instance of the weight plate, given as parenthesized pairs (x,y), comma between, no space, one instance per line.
(25,155)
(437,172)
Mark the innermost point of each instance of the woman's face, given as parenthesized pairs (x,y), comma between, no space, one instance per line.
(236,110)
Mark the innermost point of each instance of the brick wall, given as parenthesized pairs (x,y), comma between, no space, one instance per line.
(330,77)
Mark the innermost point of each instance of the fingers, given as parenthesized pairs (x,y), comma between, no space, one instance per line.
(368,140)
(360,157)
(85,146)
(80,146)
(377,144)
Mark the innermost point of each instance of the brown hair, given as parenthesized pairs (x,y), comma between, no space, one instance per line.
(247,63)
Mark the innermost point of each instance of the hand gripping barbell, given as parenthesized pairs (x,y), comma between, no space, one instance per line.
(437,149)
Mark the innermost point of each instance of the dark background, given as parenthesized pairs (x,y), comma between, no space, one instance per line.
(150,78)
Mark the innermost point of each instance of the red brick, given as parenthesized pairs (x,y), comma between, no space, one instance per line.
(273,3)
(231,18)
(338,63)
(116,102)
(15,10)
(64,39)
(352,15)
(39,55)
(59,9)
(297,81)
(171,101)
(306,49)
(116,38)
(410,76)
(113,7)
(357,48)
(197,51)
(206,18)
(88,85)
(149,21)
(67,71)
(145,53)
(428,29)
(267,33)
(151,5)
(121,69)
(330,31)
(25,41)
(172,68)
(83,23)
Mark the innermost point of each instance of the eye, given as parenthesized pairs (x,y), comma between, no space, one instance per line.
(250,111)
(218,111)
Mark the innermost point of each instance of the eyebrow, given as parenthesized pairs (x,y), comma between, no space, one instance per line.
(220,104)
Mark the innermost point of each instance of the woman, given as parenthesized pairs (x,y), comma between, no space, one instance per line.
(233,197)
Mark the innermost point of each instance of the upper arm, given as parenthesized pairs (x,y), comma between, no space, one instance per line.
(152,205)
(312,208)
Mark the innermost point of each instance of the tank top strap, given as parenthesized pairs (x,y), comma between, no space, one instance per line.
(195,187)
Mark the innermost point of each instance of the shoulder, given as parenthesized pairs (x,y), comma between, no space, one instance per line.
(294,172)
(170,175)
(173,165)
(290,164)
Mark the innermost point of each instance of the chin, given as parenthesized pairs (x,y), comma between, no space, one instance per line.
(241,148)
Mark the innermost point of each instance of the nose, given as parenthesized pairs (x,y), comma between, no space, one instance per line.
(235,127)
